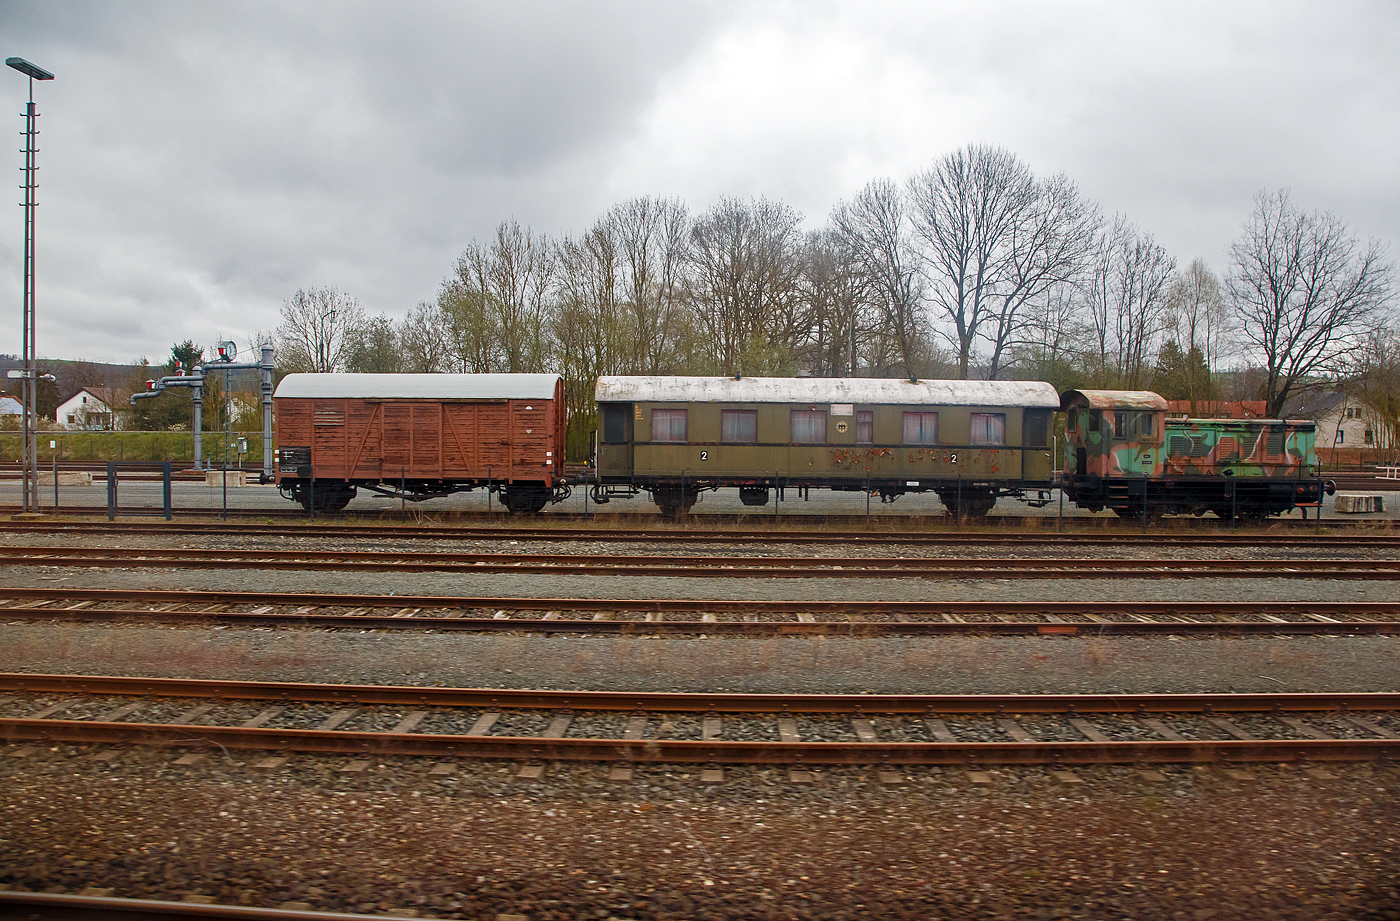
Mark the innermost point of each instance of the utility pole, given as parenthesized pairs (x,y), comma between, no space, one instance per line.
(31,381)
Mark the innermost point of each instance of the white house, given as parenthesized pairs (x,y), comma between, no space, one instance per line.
(1348,431)
(85,410)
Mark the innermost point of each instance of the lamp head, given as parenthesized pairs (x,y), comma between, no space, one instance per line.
(32,71)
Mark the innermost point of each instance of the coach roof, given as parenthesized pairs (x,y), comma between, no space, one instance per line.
(1142,400)
(419,386)
(867,390)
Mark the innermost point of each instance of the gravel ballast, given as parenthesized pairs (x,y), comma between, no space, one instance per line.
(472,839)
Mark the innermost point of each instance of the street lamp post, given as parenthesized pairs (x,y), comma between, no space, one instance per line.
(31,381)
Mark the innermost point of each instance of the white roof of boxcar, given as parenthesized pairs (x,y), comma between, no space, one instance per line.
(825,390)
(419,386)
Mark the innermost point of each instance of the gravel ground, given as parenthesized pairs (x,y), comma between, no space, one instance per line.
(1259,842)
(474,841)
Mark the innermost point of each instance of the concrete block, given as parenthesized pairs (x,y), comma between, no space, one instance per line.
(236,478)
(1356,503)
(69,478)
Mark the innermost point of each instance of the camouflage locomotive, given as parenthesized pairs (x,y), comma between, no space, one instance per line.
(1123,453)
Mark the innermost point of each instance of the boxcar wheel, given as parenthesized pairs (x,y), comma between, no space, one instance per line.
(328,498)
(524,501)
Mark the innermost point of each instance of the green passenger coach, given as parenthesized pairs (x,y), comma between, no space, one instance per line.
(970,442)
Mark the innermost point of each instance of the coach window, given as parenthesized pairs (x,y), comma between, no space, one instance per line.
(988,428)
(809,426)
(921,428)
(738,426)
(668,425)
(615,423)
(865,427)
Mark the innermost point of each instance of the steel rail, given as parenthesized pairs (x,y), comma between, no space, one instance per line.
(865,618)
(691,566)
(652,535)
(690,702)
(759,519)
(701,752)
(45,906)
(1092,624)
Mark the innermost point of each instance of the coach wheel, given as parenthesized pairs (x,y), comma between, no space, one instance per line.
(525,501)
(973,503)
(673,502)
(753,495)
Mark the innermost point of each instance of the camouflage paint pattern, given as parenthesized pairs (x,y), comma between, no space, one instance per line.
(1266,448)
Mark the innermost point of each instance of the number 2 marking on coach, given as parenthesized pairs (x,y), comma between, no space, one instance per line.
(704,455)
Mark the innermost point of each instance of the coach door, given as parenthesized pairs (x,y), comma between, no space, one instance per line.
(615,443)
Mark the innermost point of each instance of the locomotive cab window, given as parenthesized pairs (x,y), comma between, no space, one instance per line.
(988,429)
(738,426)
(668,425)
(809,426)
(921,428)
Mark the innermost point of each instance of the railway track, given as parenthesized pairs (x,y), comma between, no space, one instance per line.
(692,617)
(759,519)
(626,728)
(43,906)
(692,566)
(653,535)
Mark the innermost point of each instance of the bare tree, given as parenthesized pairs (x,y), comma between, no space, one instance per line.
(745,285)
(838,298)
(1126,294)
(1375,379)
(1199,326)
(652,235)
(317,329)
(875,227)
(497,302)
(1307,292)
(995,240)
(424,341)
(375,347)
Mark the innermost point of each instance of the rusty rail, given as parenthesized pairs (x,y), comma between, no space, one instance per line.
(691,566)
(861,618)
(945,752)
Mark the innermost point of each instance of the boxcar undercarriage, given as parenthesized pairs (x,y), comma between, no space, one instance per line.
(334,495)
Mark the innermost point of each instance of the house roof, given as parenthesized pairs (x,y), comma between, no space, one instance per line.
(900,392)
(79,392)
(1313,404)
(9,406)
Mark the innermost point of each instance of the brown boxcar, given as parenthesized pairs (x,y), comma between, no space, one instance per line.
(420,436)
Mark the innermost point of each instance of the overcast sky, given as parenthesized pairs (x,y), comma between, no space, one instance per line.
(200,162)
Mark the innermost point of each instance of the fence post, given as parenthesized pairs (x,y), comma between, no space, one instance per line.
(111,491)
(55,482)
(165,477)
(223,514)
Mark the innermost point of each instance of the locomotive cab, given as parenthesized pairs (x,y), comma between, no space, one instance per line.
(1113,446)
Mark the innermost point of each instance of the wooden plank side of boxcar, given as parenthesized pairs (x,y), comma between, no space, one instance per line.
(364,423)
(294,422)
(328,443)
(532,439)
(461,448)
